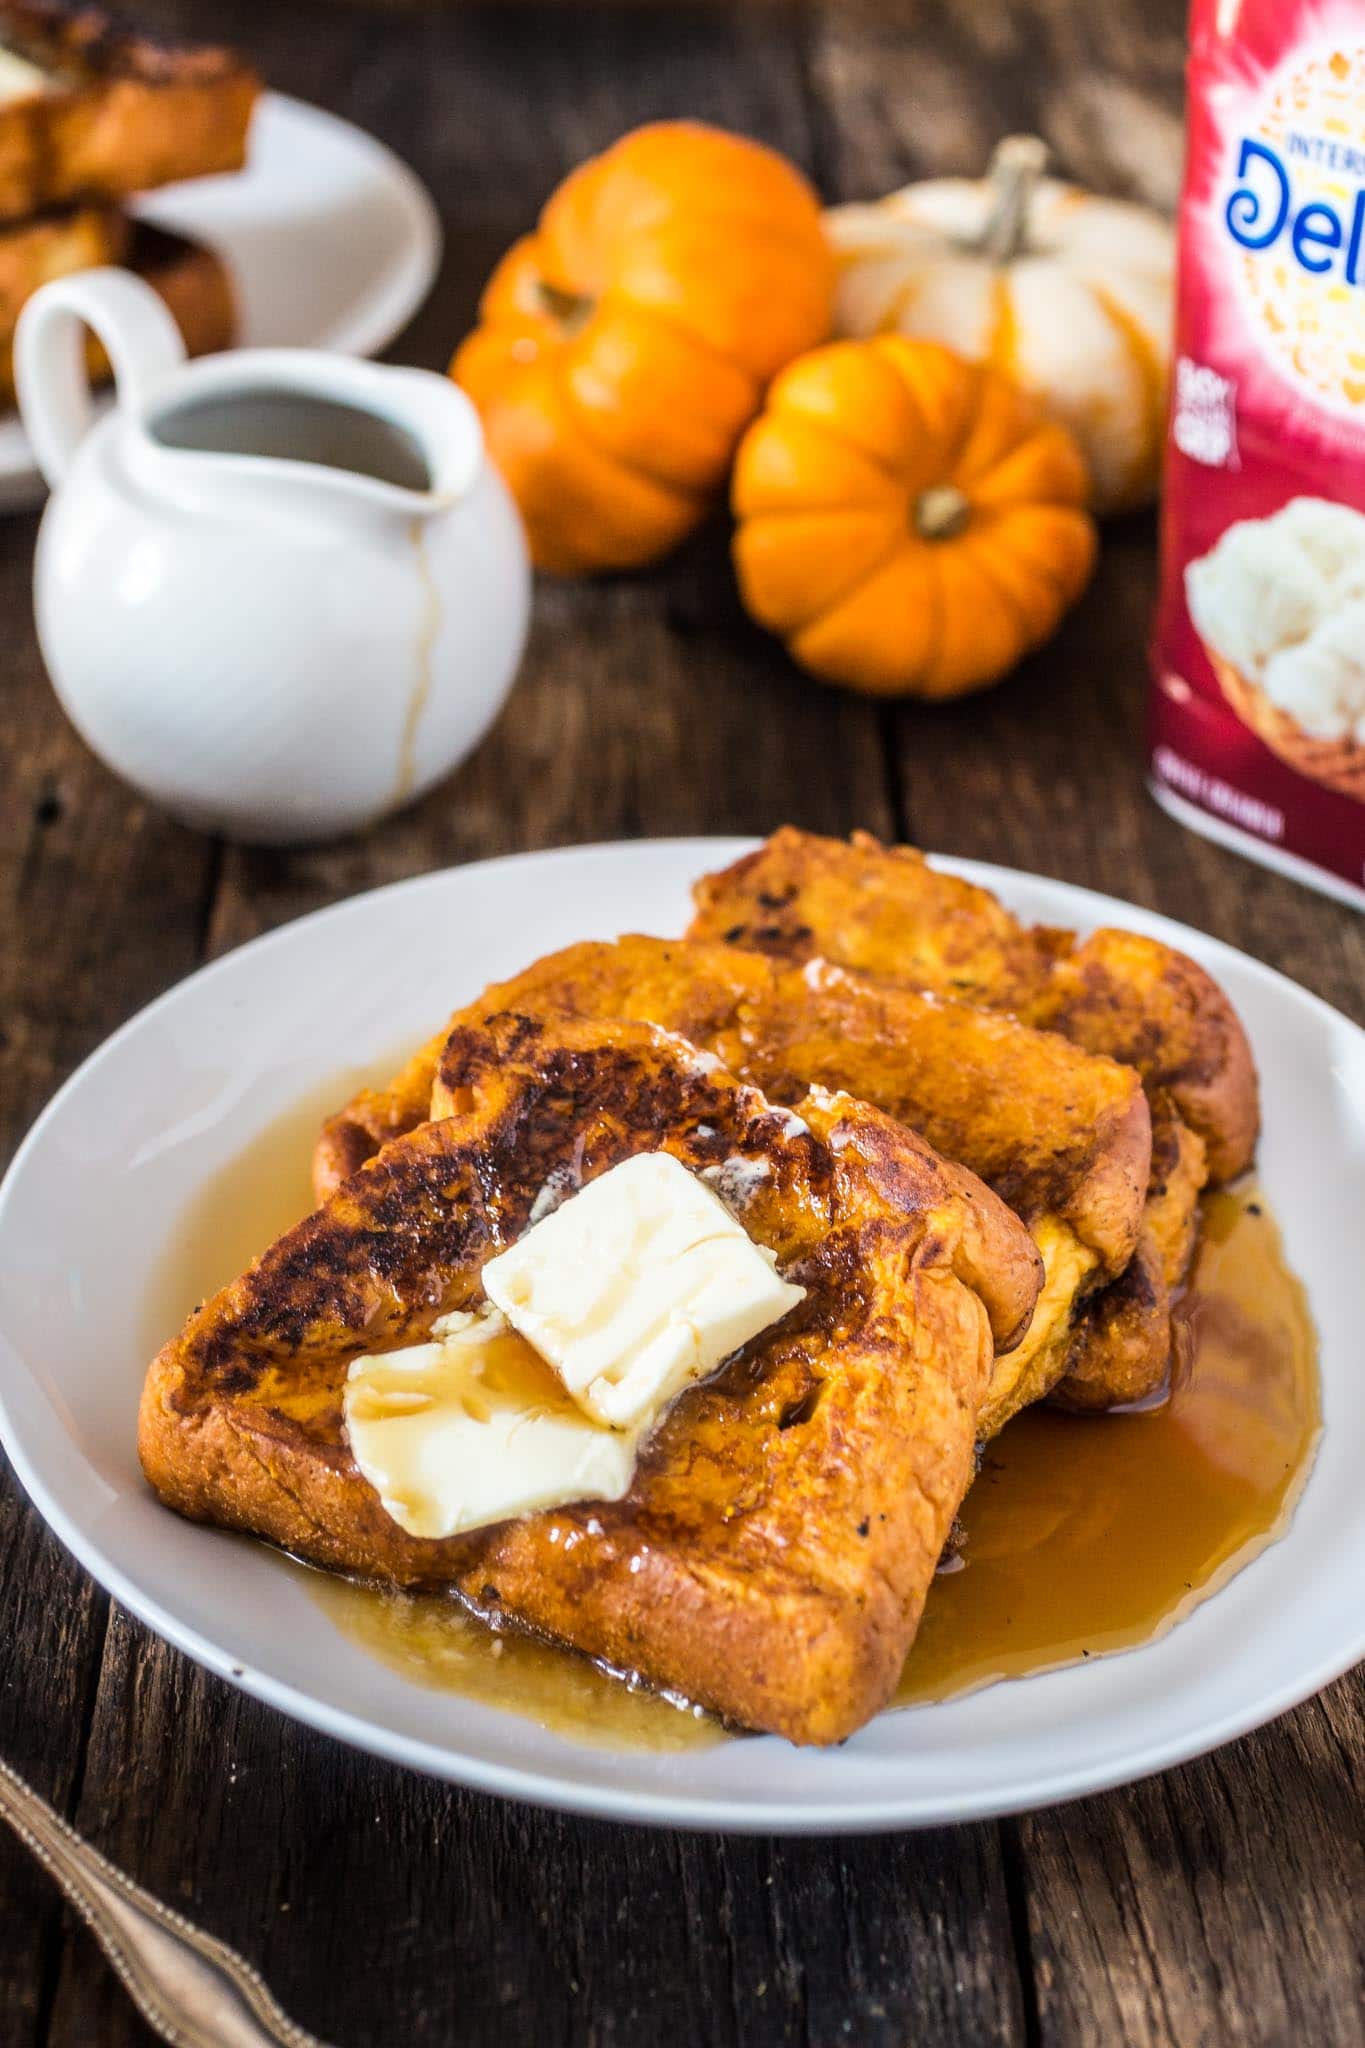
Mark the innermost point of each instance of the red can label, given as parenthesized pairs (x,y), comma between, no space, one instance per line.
(1258,705)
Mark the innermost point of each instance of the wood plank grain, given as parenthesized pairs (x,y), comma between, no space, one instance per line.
(383,1907)
(101,906)
(1219,1904)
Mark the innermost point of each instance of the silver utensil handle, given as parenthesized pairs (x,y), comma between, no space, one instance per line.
(195,1990)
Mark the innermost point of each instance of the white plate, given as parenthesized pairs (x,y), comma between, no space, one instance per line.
(332,243)
(121,1153)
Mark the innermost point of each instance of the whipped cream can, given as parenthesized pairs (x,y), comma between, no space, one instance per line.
(1258,703)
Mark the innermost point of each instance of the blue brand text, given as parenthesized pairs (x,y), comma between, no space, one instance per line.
(1262,212)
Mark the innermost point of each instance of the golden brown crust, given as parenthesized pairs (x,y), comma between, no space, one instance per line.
(1157,1010)
(1051,1129)
(772,1557)
(1062,1136)
(1179,1176)
(190,279)
(885,911)
(33,252)
(126,113)
(1121,1349)
(375,1117)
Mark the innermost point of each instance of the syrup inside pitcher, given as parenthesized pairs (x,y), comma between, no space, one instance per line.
(295,426)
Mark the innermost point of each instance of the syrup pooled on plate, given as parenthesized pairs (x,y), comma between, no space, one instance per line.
(1093,1533)
(438,1642)
(252,1201)
(1083,1534)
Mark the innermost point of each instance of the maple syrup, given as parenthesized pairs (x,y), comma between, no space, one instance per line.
(1083,1534)
(252,1201)
(296,426)
(1087,1534)
(438,1643)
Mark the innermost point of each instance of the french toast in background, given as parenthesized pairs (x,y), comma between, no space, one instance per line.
(92,112)
(772,1556)
(33,252)
(888,913)
(1061,1135)
(190,279)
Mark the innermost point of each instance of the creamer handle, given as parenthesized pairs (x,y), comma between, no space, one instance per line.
(52,383)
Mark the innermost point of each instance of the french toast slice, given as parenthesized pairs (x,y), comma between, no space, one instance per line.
(1059,1134)
(93,111)
(885,911)
(773,1554)
(33,252)
(191,280)
(1121,1350)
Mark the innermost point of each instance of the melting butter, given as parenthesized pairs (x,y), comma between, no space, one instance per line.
(474,1428)
(638,1285)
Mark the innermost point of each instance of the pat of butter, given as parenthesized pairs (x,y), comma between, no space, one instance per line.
(637,1285)
(20,80)
(474,1428)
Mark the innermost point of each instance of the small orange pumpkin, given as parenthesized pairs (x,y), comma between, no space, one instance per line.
(909,522)
(626,343)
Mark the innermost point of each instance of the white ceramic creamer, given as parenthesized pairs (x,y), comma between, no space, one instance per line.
(280,591)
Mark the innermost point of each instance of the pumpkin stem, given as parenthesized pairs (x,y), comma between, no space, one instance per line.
(572,310)
(941,512)
(1016,165)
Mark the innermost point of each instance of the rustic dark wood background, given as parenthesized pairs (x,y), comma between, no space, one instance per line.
(1218,1904)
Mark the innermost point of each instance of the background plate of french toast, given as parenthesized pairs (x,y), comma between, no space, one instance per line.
(259,220)
(1050,1213)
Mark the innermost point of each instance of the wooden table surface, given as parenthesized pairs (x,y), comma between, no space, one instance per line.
(1219,1903)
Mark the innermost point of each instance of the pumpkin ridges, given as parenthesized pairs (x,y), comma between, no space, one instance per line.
(624,363)
(916,262)
(485,359)
(630,213)
(1046,464)
(900,305)
(775,461)
(655,175)
(510,295)
(747,175)
(850,643)
(1038,601)
(968,585)
(1057,541)
(945,388)
(1002,350)
(857,398)
(1004,418)
(760,318)
(792,566)
(583,510)
(979,628)
(1152,375)
(692,265)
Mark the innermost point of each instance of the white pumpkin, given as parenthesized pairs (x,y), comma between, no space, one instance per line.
(1069,294)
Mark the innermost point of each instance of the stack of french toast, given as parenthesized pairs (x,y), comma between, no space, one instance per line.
(90,115)
(968,1155)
